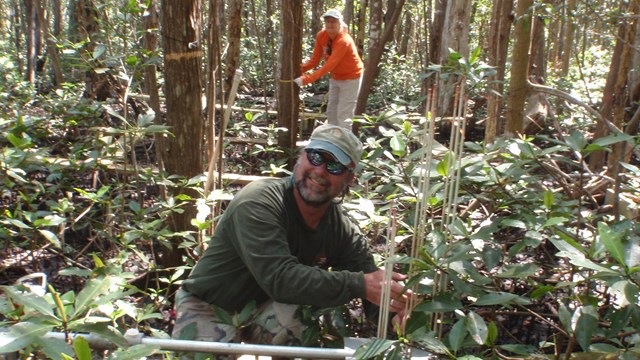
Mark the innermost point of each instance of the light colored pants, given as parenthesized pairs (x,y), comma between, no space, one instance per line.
(274,324)
(343,96)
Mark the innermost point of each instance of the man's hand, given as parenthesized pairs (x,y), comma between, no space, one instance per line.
(374,282)
(298,81)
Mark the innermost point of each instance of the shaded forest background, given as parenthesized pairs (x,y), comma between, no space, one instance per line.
(503,133)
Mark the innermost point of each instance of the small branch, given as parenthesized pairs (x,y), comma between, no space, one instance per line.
(555,92)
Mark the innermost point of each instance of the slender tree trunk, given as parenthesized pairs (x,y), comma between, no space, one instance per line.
(15,22)
(290,59)
(181,24)
(150,84)
(232,60)
(347,14)
(614,97)
(518,88)
(373,60)
(620,100)
(537,107)
(406,34)
(31,18)
(56,7)
(222,17)
(424,52)
(362,21)
(498,49)
(456,37)
(317,9)
(52,50)
(436,30)
(568,31)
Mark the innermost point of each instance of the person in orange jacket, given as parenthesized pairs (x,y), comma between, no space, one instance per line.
(341,59)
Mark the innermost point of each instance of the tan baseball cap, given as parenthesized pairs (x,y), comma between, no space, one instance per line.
(338,141)
(333,13)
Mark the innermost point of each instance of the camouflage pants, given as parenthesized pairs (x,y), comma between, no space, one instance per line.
(275,324)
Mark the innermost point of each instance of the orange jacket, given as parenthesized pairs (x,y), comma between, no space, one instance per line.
(344,63)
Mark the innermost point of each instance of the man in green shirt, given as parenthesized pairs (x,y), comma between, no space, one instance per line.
(284,243)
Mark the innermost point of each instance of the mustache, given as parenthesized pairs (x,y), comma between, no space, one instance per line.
(317,179)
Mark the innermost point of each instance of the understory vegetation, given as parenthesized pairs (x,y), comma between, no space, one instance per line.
(534,262)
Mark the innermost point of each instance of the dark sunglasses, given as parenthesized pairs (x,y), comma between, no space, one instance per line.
(329,46)
(333,167)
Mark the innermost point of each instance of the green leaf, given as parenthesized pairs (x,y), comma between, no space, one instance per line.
(612,240)
(519,349)
(443,167)
(548,199)
(224,316)
(99,51)
(576,141)
(81,347)
(398,145)
(538,292)
(565,317)
(54,348)
(429,341)
(21,335)
(513,223)
(247,312)
(457,334)
(31,302)
(477,328)
(373,348)
(519,271)
(568,248)
(104,330)
(493,334)
(51,237)
(92,291)
(440,303)
(584,322)
(554,221)
(136,352)
(612,139)
(501,298)
(132,60)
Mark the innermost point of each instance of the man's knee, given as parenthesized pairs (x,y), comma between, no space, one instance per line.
(196,320)
(278,324)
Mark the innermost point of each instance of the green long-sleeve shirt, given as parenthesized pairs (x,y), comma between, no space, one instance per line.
(262,249)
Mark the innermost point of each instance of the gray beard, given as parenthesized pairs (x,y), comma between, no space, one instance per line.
(312,199)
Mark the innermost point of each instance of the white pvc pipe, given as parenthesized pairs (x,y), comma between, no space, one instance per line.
(133,337)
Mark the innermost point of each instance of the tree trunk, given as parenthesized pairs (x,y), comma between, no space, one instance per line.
(52,50)
(56,7)
(518,88)
(613,98)
(405,35)
(32,34)
(221,20)
(290,60)
(233,50)
(569,30)
(150,84)
(436,29)
(317,9)
(182,64)
(15,22)
(498,49)
(347,14)
(456,37)
(537,107)
(373,60)
(621,151)
(362,22)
